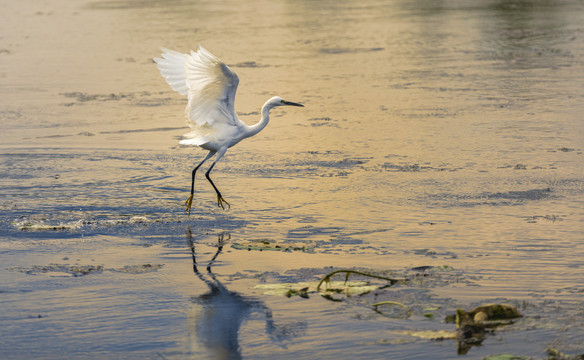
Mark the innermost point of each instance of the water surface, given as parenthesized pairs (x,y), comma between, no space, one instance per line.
(442,133)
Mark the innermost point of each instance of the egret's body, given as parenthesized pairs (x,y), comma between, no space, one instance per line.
(210,86)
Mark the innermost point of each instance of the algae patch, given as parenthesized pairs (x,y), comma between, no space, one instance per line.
(82,270)
(60,269)
(41,224)
(137,269)
(268,245)
(45,223)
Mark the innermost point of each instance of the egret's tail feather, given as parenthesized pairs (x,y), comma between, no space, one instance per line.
(199,136)
(193,141)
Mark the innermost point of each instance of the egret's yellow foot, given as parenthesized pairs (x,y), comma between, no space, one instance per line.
(188,203)
(221,201)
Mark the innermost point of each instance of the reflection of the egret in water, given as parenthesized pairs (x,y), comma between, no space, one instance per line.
(215,328)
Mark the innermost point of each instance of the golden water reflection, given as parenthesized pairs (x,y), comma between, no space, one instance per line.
(434,133)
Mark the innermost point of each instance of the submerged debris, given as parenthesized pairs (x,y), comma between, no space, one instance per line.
(42,223)
(397,310)
(506,357)
(471,327)
(81,270)
(555,354)
(138,269)
(268,245)
(566,149)
(520,167)
(73,270)
(132,220)
(486,313)
(538,218)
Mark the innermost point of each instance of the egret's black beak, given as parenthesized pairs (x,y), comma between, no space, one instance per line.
(292,103)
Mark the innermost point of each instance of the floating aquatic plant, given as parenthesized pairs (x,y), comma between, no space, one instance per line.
(327,278)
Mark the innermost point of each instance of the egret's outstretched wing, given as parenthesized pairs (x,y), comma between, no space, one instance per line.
(172,68)
(212,87)
(208,82)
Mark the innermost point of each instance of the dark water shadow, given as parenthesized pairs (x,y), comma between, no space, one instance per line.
(216,327)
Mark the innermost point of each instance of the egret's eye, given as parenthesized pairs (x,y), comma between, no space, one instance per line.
(281,101)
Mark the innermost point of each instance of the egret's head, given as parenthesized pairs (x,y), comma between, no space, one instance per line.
(278,101)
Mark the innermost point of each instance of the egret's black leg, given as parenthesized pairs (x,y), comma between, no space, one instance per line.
(192,246)
(220,199)
(189,201)
(220,243)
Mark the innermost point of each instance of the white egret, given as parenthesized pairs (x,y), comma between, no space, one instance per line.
(210,86)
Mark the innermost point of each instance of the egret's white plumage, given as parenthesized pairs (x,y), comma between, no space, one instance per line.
(210,86)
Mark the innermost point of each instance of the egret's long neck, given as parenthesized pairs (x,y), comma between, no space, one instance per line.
(256,128)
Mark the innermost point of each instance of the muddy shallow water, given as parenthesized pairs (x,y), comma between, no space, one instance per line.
(445,134)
